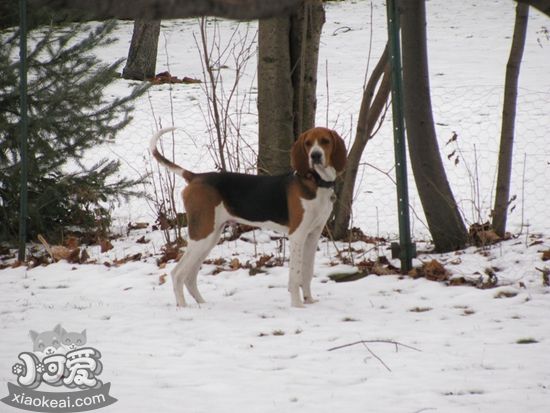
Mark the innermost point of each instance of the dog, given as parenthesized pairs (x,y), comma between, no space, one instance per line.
(297,204)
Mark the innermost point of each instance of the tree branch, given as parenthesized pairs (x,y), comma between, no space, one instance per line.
(171,9)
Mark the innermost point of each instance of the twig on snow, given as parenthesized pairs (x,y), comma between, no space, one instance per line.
(396,343)
(365,342)
(376,357)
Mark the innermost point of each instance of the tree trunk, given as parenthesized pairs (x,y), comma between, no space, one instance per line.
(372,107)
(305,36)
(287,78)
(274,96)
(444,221)
(502,196)
(142,56)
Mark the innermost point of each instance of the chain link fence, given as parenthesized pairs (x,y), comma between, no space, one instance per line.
(467,120)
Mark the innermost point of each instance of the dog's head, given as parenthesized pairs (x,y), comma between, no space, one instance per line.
(321,150)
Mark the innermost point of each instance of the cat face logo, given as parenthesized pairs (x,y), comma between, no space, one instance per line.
(56,341)
(59,358)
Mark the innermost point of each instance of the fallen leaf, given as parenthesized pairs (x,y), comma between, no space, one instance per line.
(235,264)
(105,245)
(72,242)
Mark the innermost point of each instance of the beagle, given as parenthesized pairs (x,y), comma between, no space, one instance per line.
(297,204)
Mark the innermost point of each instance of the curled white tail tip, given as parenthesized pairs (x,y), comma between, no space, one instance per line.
(157,135)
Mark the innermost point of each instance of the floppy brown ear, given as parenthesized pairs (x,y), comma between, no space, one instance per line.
(298,156)
(339,156)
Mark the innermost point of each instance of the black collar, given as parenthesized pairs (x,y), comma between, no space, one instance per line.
(321,183)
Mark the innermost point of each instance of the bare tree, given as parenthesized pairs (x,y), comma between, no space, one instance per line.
(288,50)
(372,108)
(443,217)
(142,56)
(502,196)
(224,101)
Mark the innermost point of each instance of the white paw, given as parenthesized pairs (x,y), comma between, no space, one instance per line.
(296,302)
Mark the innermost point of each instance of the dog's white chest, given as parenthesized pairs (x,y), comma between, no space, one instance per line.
(318,209)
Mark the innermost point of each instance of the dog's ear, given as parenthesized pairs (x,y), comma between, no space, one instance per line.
(298,155)
(338,156)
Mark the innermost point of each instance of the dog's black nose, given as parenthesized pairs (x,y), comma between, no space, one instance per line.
(316,157)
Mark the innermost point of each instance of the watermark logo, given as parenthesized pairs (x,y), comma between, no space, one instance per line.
(59,358)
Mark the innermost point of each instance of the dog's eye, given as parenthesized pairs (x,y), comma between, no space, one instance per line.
(308,144)
(325,141)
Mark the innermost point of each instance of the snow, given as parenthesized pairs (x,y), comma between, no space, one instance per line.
(246,349)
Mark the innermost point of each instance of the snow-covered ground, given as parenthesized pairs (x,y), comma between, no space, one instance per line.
(246,349)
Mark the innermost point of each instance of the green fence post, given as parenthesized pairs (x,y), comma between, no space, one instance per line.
(24,124)
(405,250)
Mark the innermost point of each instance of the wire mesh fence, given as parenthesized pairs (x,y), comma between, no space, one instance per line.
(468,128)
(467,121)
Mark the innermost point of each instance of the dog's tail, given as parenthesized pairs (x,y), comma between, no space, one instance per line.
(171,166)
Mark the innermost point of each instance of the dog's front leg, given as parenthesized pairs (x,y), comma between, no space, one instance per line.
(310,248)
(297,241)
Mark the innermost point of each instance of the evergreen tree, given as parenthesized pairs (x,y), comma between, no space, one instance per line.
(68,114)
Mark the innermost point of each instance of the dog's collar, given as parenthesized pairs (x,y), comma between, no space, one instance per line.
(321,183)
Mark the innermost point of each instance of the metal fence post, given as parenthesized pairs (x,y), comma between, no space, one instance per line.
(405,249)
(23,206)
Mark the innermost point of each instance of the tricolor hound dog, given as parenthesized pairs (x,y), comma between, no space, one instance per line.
(297,204)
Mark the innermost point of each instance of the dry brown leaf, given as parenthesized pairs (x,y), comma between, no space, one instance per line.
(435,271)
(84,256)
(60,252)
(128,258)
(483,234)
(105,245)
(137,225)
(74,256)
(72,242)
(235,264)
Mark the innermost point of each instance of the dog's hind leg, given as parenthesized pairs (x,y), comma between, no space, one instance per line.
(177,280)
(200,251)
(186,270)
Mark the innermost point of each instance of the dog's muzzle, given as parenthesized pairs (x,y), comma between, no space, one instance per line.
(316,158)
